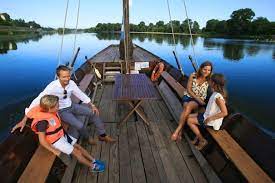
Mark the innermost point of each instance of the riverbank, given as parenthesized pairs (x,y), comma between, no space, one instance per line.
(261,38)
(15,31)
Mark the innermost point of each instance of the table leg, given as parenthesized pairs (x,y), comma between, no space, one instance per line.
(130,113)
(140,113)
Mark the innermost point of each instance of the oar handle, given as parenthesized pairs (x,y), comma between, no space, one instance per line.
(193,64)
(177,61)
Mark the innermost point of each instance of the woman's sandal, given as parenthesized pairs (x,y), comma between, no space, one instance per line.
(194,141)
(201,145)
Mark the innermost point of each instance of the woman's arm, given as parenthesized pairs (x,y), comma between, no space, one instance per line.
(44,143)
(190,92)
(221,103)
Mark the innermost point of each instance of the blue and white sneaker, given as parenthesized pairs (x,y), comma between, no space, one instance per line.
(98,166)
(100,162)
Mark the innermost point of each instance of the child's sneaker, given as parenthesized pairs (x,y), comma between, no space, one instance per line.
(99,162)
(98,166)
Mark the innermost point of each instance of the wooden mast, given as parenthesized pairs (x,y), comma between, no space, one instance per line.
(127,51)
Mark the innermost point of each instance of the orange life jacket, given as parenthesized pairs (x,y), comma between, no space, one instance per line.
(54,130)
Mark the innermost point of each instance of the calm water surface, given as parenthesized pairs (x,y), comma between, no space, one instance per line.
(27,66)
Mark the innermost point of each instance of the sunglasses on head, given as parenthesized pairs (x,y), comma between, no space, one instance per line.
(65,94)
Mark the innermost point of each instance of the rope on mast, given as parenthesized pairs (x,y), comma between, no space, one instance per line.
(190,32)
(63,32)
(76,27)
(174,40)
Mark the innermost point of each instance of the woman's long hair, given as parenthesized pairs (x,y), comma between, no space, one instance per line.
(204,64)
(219,84)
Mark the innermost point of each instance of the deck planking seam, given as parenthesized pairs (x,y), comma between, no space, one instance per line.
(113,158)
(156,156)
(125,173)
(148,159)
(105,156)
(189,158)
(137,165)
(173,149)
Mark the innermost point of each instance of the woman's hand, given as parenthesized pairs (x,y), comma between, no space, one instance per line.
(207,120)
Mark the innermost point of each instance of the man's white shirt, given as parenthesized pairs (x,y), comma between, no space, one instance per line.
(55,88)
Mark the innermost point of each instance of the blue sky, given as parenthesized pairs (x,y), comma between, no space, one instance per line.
(51,12)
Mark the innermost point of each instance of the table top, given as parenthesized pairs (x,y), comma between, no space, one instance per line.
(134,87)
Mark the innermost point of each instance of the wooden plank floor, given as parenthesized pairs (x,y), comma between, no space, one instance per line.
(138,156)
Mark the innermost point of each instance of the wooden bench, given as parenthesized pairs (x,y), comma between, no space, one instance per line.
(233,151)
(40,165)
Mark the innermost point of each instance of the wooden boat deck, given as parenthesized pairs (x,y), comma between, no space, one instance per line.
(111,54)
(138,156)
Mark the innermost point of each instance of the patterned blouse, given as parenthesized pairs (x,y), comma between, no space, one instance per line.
(199,90)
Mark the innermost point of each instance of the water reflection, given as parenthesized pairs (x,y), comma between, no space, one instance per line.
(8,43)
(5,46)
(234,50)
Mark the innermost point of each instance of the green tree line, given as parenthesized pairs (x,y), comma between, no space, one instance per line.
(160,26)
(241,22)
(7,21)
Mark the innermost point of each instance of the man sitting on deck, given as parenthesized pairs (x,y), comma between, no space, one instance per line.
(63,87)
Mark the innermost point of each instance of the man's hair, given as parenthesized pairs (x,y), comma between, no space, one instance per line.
(62,68)
(48,102)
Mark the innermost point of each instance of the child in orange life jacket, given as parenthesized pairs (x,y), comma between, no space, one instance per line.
(215,111)
(47,124)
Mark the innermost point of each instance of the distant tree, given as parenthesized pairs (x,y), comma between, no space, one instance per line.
(240,21)
(196,27)
(260,25)
(160,27)
(221,27)
(33,24)
(184,26)
(142,26)
(211,25)
(150,27)
(176,26)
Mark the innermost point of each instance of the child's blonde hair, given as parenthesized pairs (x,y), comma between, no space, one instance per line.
(48,102)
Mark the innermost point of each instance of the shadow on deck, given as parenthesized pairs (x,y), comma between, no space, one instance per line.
(138,156)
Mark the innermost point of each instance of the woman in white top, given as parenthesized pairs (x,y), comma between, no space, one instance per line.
(215,111)
(196,94)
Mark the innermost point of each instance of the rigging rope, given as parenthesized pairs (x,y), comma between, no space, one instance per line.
(173,34)
(190,32)
(62,39)
(76,27)
(171,24)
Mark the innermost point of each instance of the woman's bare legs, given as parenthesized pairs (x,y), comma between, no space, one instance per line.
(193,124)
(187,109)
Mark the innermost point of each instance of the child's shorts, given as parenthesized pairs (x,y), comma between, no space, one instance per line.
(200,119)
(65,144)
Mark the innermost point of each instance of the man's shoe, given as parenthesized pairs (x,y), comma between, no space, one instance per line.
(92,141)
(106,139)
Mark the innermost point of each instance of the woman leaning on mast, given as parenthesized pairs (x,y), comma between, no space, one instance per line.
(195,97)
